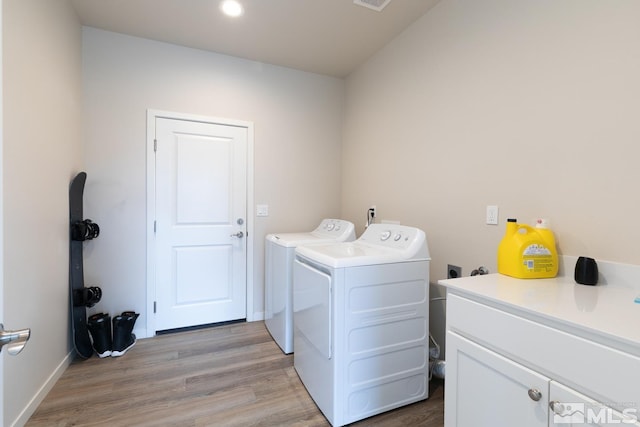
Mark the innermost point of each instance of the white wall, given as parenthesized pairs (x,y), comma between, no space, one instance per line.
(42,151)
(528,105)
(297,121)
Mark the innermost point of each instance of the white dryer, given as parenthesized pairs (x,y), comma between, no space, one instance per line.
(361,322)
(279,255)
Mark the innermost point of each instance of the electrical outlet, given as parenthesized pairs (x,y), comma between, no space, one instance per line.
(371,215)
(492,215)
(453,271)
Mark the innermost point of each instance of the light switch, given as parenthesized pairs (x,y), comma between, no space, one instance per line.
(262,210)
(492,215)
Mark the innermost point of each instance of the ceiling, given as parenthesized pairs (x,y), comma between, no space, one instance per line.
(330,37)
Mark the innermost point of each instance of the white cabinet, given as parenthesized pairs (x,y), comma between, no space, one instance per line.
(514,363)
(486,389)
(570,408)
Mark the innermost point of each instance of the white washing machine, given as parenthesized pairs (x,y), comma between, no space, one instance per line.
(361,322)
(279,255)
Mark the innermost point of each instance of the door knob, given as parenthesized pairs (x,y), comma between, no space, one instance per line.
(239,235)
(16,340)
(557,407)
(535,394)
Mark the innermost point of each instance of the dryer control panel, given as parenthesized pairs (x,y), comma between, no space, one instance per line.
(409,240)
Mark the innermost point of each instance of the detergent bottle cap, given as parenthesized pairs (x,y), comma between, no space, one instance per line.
(541,223)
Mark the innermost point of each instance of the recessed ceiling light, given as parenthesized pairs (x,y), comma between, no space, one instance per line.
(376,5)
(231,8)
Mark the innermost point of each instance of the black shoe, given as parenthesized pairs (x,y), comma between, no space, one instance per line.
(99,326)
(123,339)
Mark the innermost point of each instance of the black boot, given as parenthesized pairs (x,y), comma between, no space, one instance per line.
(99,325)
(123,339)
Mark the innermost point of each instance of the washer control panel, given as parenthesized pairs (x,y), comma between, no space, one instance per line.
(334,228)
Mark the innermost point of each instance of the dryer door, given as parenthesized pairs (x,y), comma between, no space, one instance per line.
(312,306)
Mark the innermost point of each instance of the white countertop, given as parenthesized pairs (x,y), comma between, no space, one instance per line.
(603,313)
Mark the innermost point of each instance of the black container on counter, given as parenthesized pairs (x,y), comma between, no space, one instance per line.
(586,271)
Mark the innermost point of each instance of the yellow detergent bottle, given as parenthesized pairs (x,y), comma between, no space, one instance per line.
(526,252)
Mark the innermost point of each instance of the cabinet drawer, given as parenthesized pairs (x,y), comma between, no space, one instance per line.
(588,366)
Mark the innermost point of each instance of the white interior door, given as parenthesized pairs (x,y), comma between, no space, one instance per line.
(201,213)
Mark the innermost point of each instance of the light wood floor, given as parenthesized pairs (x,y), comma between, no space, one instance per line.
(232,375)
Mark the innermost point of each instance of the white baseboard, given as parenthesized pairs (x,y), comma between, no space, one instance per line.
(257,316)
(28,411)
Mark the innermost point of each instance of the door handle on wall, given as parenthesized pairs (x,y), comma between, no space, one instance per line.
(16,340)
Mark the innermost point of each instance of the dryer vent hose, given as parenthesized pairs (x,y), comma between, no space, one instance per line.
(436,368)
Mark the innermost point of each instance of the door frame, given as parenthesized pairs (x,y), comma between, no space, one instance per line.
(1,220)
(152,115)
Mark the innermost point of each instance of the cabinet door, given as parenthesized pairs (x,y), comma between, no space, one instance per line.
(570,408)
(486,389)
